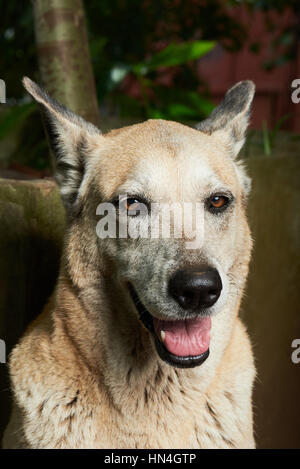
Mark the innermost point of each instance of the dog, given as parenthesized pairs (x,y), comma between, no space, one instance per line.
(141,346)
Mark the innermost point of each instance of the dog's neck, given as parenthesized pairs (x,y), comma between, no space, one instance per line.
(97,312)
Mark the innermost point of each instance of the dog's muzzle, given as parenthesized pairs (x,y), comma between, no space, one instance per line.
(184,342)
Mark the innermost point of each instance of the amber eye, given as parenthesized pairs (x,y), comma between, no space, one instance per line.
(218,202)
(134,206)
(131,204)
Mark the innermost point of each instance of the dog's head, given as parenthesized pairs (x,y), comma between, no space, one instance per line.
(184,280)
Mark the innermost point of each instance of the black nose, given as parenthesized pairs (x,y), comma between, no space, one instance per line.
(196,288)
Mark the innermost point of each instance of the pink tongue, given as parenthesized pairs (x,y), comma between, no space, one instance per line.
(187,337)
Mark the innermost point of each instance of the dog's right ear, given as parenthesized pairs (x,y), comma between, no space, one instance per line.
(70,137)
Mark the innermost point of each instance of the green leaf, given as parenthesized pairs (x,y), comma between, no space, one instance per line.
(203,105)
(179,104)
(179,111)
(266,138)
(156,114)
(175,54)
(279,124)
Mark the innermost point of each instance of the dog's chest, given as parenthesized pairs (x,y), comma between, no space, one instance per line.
(184,424)
(160,414)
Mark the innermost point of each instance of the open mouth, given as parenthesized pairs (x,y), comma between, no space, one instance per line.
(181,343)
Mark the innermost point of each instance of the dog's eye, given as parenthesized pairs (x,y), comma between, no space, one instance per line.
(134,206)
(131,204)
(218,203)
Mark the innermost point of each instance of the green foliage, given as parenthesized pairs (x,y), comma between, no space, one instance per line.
(13,117)
(178,104)
(174,54)
(170,102)
(269,136)
(268,141)
(33,150)
(141,49)
(18,122)
(144,55)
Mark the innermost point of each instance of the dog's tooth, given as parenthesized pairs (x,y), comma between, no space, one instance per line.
(163,335)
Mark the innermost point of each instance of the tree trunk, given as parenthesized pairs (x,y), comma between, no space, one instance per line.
(64,57)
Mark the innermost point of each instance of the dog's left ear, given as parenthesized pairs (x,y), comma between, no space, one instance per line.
(70,138)
(229,120)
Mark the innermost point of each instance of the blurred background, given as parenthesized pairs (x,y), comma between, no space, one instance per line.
(118,62)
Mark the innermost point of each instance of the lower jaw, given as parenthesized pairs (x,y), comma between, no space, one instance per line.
(178,361)
(168,357)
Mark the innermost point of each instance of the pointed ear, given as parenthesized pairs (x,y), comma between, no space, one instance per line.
(229,120)
(70,137)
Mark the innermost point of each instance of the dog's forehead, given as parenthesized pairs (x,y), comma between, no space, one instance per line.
(164,158)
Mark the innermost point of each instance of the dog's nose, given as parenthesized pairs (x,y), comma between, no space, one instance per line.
(195,288)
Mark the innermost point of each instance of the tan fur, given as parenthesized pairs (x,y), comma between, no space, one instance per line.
(86,374)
